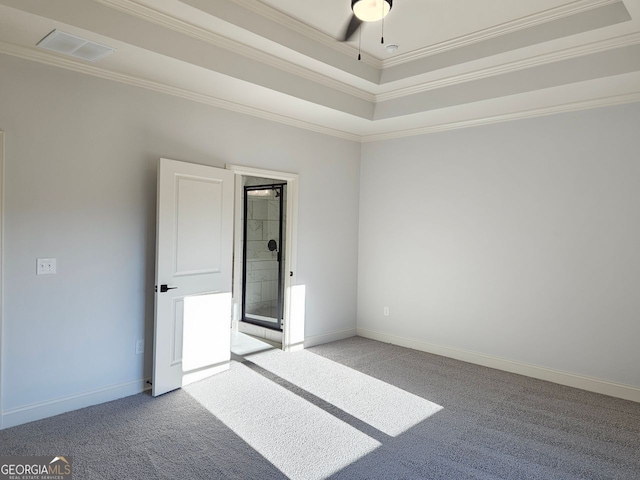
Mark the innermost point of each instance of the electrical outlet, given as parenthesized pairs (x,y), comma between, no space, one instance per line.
(385,311)
(46,266)
(139,347)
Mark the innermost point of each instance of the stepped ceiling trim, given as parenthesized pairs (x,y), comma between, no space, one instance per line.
(80,67)
(242,56)
(543,59)
(159,18)
(499,30)
(490,120)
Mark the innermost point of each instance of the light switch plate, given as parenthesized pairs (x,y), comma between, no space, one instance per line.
(46,266)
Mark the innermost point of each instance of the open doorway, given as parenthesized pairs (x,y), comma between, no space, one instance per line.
(199,270)
(264,273)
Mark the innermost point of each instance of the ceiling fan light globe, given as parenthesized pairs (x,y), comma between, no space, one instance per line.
(371,10)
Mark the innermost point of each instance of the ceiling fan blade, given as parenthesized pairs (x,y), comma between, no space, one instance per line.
(351,28)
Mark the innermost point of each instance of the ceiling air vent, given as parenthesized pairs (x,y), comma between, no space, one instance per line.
(77,47)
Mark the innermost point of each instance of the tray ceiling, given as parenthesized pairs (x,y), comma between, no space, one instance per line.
(460,63)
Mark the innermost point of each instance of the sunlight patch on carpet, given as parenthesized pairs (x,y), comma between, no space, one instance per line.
(383,406)
(305,443)
(243,344)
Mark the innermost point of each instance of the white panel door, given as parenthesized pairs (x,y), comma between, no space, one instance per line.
(193,273)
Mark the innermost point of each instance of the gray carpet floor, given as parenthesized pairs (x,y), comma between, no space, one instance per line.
(354,409)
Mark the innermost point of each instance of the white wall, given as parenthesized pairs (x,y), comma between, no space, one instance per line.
(517,241)
(81,157)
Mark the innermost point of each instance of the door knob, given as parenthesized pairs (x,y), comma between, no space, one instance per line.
(165,288)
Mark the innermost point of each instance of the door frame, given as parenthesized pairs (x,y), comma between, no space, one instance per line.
(291,323)
(280,298)
(1,272)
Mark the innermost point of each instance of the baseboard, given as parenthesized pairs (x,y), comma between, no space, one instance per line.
(329,337)
(49,408)
(626,392)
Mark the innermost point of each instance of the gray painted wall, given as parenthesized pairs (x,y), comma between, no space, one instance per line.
(517,240)
(81,157)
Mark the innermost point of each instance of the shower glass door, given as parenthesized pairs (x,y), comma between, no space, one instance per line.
(263,255)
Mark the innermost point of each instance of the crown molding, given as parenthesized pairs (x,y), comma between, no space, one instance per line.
(573,52)
(76,66)
(498,30)
(532,113)
(576,7)
(133,7)
(162,19)
(51,59)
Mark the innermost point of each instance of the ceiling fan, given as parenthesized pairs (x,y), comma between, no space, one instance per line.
(365,11)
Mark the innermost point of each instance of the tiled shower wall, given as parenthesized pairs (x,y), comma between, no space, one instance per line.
(262,265)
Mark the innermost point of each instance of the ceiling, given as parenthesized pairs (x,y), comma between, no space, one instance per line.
(459,62)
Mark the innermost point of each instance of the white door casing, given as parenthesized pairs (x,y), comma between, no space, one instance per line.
(194,258)
(294,308)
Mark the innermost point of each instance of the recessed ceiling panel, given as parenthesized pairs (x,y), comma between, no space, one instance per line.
(415,24)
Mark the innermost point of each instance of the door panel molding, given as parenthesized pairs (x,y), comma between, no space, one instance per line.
(178,323)
(189,191)
(293,317)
